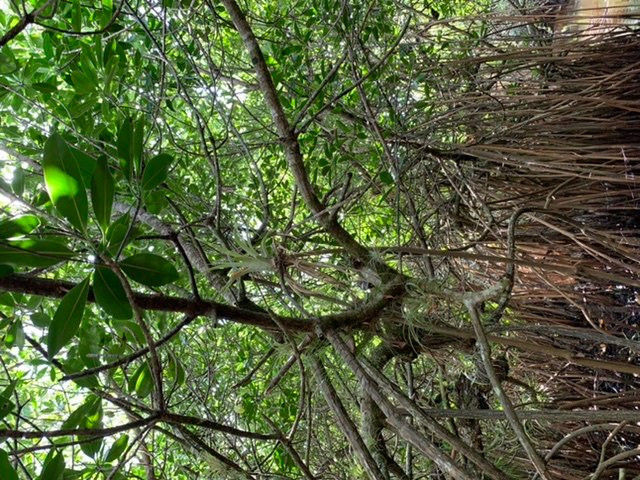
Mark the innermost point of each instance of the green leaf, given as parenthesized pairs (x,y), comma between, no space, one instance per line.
(47,47)
(116,234)
(125,150)
(138,142)
(15,335)
(5,270)
(156,171)
(18,226)
(82,84)
(148,269)
(141,381)
(8,64)
(386,178)
(6,405)
(17,183)
(176,370)
(40,319)
(89,343)
(63,178)
(53,469)
(77,416)
(117,449)
(155,201)
(110,294)
(66,320)
(7,299)
(86,165)
(76,19)
(34,253)
(102,191)
(45,87)
(7,471)
(129,331)
(93,420)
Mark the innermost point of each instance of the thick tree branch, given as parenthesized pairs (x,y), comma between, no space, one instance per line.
(177,419)
(58,288)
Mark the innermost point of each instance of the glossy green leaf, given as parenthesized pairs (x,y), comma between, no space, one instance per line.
(66,320)
(110,294)
(7,299)
(6,406)
(47,46)
(102,192)
(63,179)
(141,381)
(148,269)
(125,149)
(18,226)
(86,165)
(34,253)
(89,344)
(137,143)
(156,171)
(117,449)
(54,468)
(88,408)
(7,472)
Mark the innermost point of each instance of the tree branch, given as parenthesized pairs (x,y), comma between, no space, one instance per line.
(289,140)
(23,23)
(505,401)
(58,288)
(91,432)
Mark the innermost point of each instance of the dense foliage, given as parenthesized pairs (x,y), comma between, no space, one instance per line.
(300,239)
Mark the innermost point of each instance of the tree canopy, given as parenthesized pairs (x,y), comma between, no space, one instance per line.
(318,239)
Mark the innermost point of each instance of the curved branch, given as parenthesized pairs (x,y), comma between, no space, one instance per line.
(356,317)
(177,419)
